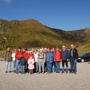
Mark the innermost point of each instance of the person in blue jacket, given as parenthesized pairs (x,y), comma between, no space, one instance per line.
(64,57)
(51,60)
(47,60)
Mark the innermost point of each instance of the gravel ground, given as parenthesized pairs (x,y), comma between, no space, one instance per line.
(54,81)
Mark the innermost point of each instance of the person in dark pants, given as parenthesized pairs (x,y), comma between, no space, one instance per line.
(73,59)
(64,57)
(25,58)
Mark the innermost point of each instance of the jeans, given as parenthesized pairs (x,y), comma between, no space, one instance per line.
(41,66)
(14,64)
(45,66)
(21,68)
(53,67)
(49,66)
(73,64)
(8,66)
(37,67)
(17,66)
(57,64)
(63,63)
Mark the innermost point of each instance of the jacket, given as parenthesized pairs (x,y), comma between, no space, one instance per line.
(64,55)
(18,55)
(51,56)
(13,56)
(36,57)
(75,53)
(31,63)
(47,56)
(41,57)
(8,56)
(57,56)
(26,55)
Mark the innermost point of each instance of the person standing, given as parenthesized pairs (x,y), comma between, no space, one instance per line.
(36,61)
(18,56)
(51,60)
(73,59)
(31,61)
(57,60)
(65,58)
(8,59)
(47,61)
(41,60)
(25,60)
(13,58)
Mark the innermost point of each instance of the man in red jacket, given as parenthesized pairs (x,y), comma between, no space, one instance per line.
(26,57)
(25,54)
(18,56)
(57,60)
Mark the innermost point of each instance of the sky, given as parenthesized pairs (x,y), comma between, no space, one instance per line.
(60,14)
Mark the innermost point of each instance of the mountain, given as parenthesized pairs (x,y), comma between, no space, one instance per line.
(31,33)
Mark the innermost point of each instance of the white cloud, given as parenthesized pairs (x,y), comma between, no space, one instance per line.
(8,1)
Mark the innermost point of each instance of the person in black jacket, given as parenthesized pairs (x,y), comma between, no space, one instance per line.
(73,59)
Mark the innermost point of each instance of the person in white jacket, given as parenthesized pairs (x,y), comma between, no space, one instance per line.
(31,61)
(36,61)
(13,58)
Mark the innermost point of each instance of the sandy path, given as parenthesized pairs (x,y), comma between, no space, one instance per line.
(12,81)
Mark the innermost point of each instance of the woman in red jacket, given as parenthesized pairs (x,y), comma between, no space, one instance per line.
(57,60)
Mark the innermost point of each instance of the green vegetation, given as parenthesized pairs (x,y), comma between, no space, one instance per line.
(30,33)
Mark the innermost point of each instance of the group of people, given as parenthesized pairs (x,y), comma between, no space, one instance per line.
(43,60)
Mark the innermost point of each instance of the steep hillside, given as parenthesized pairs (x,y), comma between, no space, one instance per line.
(31,33)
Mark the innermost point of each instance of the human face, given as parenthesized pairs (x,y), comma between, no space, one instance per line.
(8,49)
(72,46)
(63,47)
(57,48)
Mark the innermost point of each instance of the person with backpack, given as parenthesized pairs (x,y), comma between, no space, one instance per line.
(8,59)
(25,59)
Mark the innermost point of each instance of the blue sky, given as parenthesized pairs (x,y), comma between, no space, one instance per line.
(61,14)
